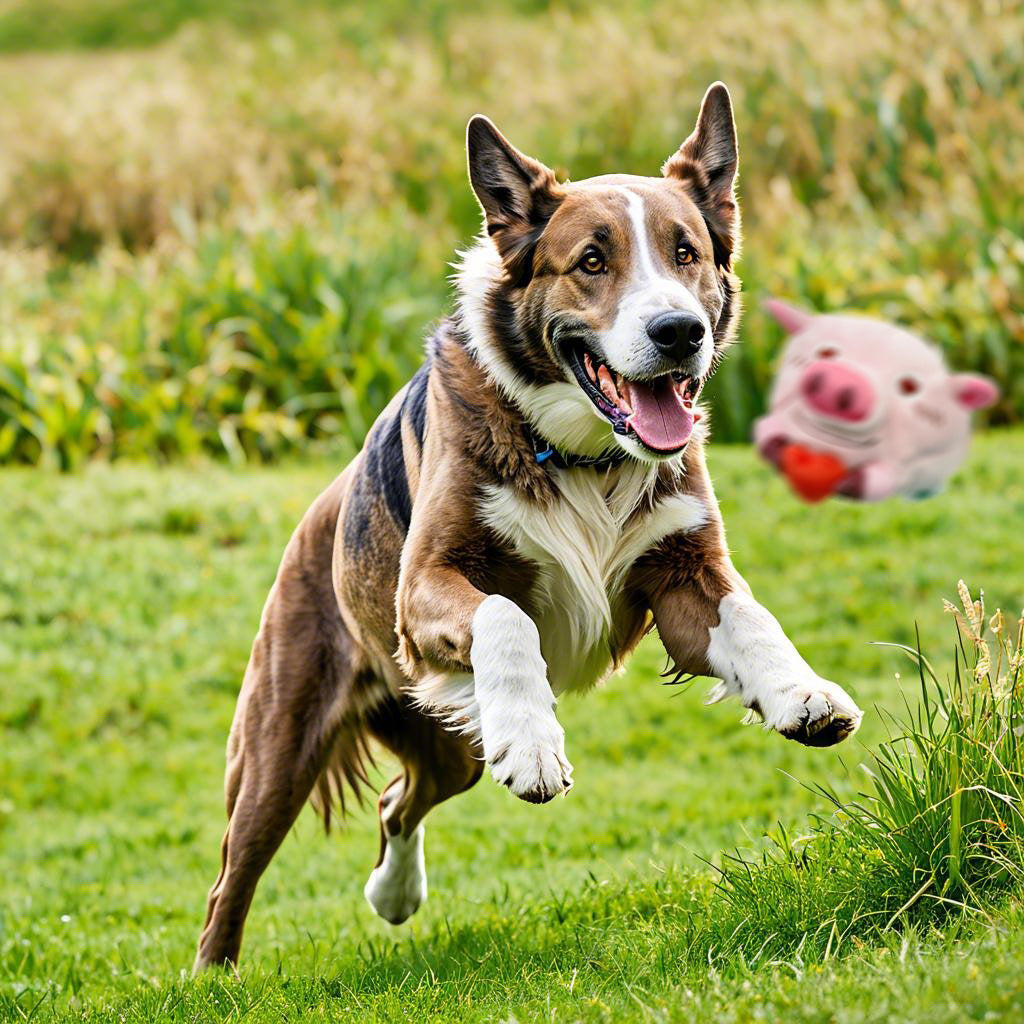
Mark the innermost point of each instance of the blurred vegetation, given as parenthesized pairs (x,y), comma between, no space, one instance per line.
(234,239)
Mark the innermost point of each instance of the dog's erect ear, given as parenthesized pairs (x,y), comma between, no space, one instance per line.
(789,318)
(707,163)
(518,195)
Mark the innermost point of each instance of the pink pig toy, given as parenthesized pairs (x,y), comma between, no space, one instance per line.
(865,410)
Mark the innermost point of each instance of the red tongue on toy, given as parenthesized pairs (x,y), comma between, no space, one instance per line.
(660,418)
(813,475)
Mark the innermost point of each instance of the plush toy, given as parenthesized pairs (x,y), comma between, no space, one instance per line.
(865,410)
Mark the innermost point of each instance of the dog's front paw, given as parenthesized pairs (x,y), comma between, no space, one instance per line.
(820,714)
(532,762)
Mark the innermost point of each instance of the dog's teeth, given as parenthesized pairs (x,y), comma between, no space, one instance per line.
(589,364)
(625,402)
(607,384)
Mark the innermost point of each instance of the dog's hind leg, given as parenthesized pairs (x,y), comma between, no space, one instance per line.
(299,684)
(436,764)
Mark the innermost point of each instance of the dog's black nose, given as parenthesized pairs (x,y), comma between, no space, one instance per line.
(678,335)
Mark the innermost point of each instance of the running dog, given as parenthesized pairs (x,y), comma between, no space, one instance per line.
(529,505)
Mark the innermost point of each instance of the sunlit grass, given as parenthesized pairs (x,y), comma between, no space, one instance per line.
(127,606)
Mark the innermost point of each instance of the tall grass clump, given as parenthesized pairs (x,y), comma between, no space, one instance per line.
(249,343)
(939,831)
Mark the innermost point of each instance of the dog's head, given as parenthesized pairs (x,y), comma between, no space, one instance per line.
(602,306)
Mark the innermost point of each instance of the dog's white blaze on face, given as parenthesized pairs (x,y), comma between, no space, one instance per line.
(642,282)
(649,292)
(758,663)
(398,885)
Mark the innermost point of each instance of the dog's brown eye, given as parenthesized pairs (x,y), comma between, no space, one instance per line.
(593,262)
(684,255)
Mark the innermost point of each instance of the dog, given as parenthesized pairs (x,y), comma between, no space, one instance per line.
(524,510)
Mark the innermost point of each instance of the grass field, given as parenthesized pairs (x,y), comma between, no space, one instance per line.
(128,599)
(225,226)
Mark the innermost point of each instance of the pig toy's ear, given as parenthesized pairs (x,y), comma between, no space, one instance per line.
(791,319)
(974,391)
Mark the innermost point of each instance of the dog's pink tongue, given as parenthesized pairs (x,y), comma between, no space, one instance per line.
(659,417)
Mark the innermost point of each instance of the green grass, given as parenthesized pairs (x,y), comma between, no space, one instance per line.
(254,347)
(223,229)
(128,599)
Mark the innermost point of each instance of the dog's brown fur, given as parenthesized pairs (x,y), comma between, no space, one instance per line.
(320,685)
(378,588)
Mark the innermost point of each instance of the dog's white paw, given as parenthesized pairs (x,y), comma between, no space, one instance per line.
(820,714)
(531,761)
(524,745)
(398,885)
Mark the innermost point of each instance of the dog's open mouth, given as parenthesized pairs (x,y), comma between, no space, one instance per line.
(659,413)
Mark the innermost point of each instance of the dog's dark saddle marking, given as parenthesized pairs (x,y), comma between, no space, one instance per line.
(383,471)
(415,404)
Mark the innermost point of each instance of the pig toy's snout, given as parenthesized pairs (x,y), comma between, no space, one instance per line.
(837,391)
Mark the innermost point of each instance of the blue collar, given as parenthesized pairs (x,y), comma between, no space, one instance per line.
(544,451)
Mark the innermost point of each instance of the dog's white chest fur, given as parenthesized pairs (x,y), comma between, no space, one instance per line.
(584,545)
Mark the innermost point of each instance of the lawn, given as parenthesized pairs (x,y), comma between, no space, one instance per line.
(128,599)
(224,225)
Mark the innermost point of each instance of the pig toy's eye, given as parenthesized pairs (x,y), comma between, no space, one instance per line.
(908,385)
(827,352)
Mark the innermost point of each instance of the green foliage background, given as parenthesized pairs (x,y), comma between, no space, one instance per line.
(226,227)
